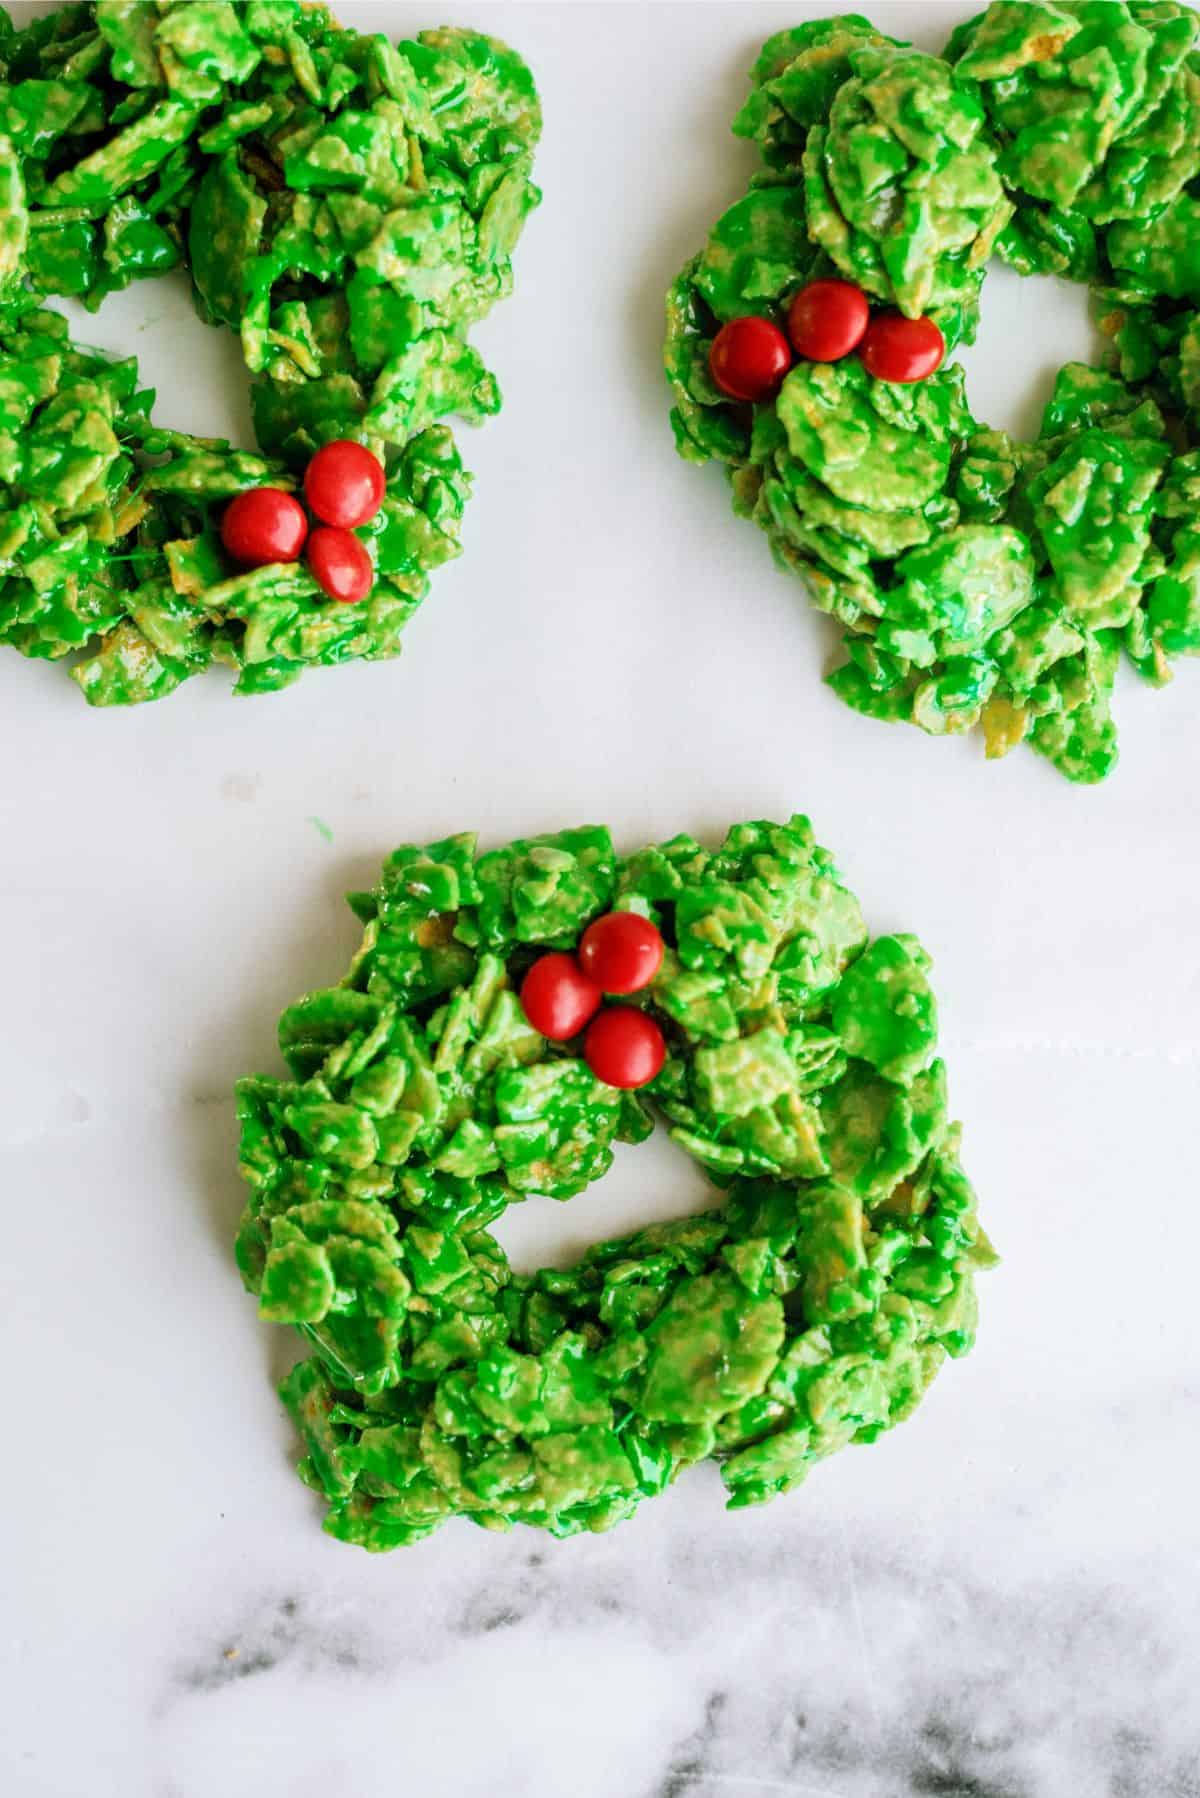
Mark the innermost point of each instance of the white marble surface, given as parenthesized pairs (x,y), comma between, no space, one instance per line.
(999,1601)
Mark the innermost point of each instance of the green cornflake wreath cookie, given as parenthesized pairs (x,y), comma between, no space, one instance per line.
(349,207)
(978,579)
(810,1311)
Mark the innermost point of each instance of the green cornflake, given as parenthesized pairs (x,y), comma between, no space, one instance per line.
(978,581)
(795,78)
(1093,510)
(807,1312)
(1091,101)
(224,229)
(884,1012)
(14,219)
(129,28)
(758,249)
(204,42)
(900,182)
(882,448)
(350,208)
(543,889)
(127,159)
(1162,252)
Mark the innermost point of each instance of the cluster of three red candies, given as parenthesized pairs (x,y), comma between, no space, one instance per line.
(826,320)
(344,485)
(562,995)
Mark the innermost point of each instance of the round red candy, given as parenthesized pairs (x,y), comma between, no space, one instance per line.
(263,525)
(339,563)
(902,349)
(558,998)
(621,951)
(624,1047)
(749,358)
(344,484)
(827,319)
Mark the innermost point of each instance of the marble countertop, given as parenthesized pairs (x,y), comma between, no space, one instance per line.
(999,1600)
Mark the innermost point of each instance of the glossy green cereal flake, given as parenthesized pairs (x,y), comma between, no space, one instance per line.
(809,1311)
(348,206)
(900,182)
(978,580)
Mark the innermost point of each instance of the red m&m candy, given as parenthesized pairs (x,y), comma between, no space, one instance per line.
(339,562)
(263,525)
(558,998)
(749,358)
(624,1047)
(344,484)
(621,951)
(901,349)
(827,319)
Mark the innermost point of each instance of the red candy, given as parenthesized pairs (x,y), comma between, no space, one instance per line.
(339,563)
(264,525)
(558,998)
(896,348)
(344,484)
(827,319)
(621,951)
(624,1047)
(749,358)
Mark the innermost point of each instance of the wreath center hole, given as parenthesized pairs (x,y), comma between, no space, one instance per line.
(200,381)
(1030,326)
(648,1183)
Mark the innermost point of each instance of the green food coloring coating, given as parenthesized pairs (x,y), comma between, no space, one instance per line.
(979,580)
(810,1310)
(900,182)
(348,206)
